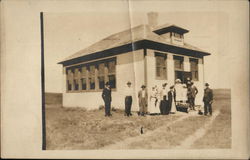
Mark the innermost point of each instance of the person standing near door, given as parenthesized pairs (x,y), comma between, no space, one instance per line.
(106,96)
(194,92)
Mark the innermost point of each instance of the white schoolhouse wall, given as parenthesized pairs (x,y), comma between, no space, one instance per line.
(137,69)
(128,65)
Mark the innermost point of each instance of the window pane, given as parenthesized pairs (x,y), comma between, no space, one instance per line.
(68,85)
(101,69)
(194,68)
(178,64)
(111,67)
(112,81)
(101,82)
(160,61)
(76,85)
(158,71)
(164,72)
(84,71)
(92,70)
(92,82)
(84,85)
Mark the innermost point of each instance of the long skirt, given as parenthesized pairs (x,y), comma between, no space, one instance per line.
(173,107)
(163,107)
(154,106)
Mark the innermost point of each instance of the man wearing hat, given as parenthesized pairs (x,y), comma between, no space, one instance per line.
(143,100)
(128,99)
(208,99)
(106,96)
(192,92)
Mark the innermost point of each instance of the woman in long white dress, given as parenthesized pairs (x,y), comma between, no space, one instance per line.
(154,104)
(172,100)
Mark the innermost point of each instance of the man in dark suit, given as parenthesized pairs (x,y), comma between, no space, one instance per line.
(208,99)
(106,96)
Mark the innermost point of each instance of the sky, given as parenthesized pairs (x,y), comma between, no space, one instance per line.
(68,32)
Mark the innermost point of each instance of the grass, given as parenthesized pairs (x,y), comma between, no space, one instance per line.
(77,128)
(53,99)
(170,137)
(219,134)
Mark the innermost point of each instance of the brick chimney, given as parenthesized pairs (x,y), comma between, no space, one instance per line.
(152,19)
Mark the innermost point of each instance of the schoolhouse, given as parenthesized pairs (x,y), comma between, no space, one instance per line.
(146,54)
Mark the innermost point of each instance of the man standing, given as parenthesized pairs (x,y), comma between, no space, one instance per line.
(208,99)
(128,99)
(194,92)
(143,100)
(106,96)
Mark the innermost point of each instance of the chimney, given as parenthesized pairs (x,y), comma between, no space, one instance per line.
(152,19)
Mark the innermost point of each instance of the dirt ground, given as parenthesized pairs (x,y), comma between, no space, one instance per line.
(78,129)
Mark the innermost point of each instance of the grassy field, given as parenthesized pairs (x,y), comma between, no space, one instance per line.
(76,128)
(53,100)
(219,134)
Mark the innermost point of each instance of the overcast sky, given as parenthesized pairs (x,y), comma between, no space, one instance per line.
(67,33)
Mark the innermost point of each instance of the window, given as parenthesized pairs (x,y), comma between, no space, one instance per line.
(161,69)
(91,76)
(194,68)
(76,79)
(68,85)
(111,74)
(101,75)
(69,80)
(84,78)
(177,35)
(178,63)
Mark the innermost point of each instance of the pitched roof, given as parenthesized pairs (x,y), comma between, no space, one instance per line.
(141,32)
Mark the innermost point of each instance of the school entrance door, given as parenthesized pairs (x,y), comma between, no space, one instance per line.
(182,75)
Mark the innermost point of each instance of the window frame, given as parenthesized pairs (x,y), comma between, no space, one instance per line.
(95,76)
(181,59)
(196,71)
(165,76)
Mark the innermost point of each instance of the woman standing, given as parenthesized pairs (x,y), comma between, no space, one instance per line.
(172,100)
(154,104)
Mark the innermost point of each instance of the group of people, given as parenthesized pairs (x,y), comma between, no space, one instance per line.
(161,100)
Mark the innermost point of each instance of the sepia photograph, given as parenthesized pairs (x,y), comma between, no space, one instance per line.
(124,79)
(149,84)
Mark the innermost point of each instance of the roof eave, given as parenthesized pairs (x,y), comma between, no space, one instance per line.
(142,44)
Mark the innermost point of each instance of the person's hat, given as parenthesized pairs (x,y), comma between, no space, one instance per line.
(107,83)
(206,84)
(177,80)
(171,87)
(143,86)
(128,82)
(164,84)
